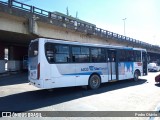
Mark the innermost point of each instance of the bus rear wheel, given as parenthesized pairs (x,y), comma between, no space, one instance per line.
(136,75)
(94,81)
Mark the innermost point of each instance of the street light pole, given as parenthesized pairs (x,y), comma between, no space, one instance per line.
(124,25)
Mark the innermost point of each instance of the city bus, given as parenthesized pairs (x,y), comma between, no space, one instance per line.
(59,63)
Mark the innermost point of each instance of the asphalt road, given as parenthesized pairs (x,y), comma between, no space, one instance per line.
(17,95)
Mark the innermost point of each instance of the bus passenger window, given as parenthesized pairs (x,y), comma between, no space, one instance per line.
(137,55)
(50,56)
(121,56)
(57,53)
(62,53)
(98,55)
(80,54)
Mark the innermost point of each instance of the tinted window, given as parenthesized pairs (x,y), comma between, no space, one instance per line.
(98,55)
(137,55)
(129,56)
(56,53)
(80,54)
(122,56)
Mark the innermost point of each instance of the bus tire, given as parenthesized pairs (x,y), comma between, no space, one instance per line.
(136,75)
(94,81)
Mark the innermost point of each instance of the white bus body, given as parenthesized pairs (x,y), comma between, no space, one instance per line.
(45,73)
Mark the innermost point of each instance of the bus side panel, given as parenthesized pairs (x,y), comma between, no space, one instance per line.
(63,75)
(121,69)
(83,72)
(44,65)
(138,66)
(50,73)
(125,70)
(128,70)
(46,75)
(105,72)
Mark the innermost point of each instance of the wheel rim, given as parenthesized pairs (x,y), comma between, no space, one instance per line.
(94,82)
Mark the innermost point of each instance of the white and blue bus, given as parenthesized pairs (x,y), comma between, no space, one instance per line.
(58,63)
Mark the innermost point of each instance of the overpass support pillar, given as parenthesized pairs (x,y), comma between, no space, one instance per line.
(33,27)
(10,53)
(2,61)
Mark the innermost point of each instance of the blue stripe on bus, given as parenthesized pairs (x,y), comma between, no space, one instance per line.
(86,73)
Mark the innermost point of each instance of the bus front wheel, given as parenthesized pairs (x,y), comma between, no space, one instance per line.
(94,81)
(136,75)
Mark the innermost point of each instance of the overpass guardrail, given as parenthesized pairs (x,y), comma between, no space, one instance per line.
(76,24)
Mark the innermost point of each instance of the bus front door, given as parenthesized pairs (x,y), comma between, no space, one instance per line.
(111,65)
(145,62)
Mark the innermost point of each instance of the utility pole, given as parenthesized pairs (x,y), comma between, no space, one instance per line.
(124,20)
(67,12)
(77,15)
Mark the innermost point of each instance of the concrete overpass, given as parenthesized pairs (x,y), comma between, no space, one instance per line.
(20,23)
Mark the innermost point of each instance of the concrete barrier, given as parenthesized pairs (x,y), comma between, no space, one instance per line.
(2,66)
(14,65)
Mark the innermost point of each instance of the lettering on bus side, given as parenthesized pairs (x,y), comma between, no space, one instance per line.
(84,69)
(92,68)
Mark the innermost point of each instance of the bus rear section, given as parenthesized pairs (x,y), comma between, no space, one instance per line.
(34,65)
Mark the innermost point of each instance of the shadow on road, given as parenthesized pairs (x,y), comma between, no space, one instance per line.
(14,79)
(42,98)
(157,84)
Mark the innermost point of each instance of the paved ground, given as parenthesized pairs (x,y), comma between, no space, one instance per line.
(17,95)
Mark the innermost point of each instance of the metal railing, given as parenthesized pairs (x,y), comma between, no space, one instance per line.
(3,3)
(21,6)
(76,24)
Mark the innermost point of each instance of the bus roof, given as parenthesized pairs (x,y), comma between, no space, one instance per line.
(86,44)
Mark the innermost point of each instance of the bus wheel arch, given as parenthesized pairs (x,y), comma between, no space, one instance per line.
(137,73)
(94,81)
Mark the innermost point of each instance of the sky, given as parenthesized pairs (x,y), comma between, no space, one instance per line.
(142,18)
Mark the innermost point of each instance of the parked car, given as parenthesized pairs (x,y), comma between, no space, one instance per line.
(157,78)
(153,67)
